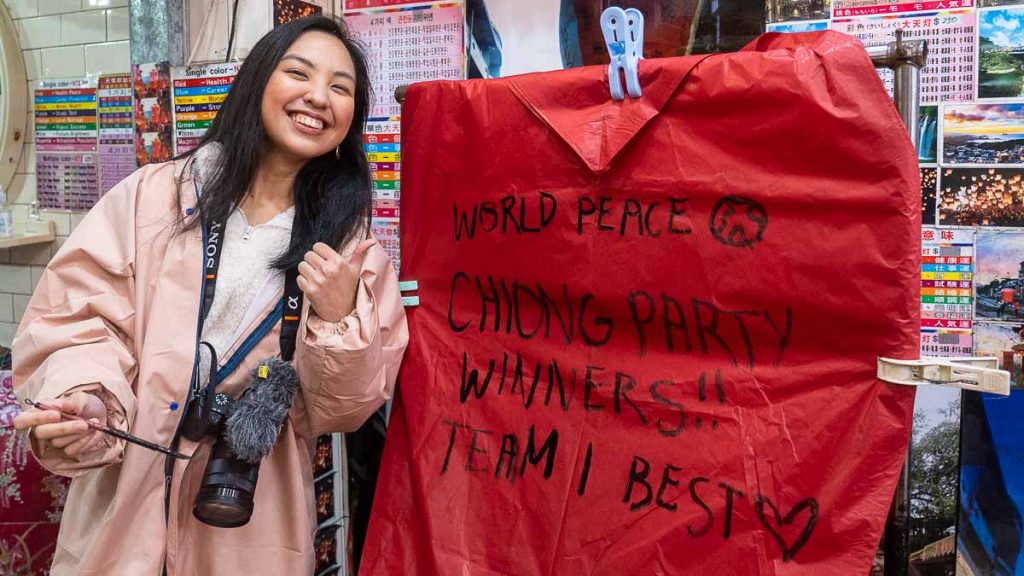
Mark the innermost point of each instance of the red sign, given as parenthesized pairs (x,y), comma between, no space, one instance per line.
(647,333)
(844,8)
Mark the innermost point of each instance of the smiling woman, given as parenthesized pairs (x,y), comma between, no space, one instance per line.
(241,270)
(310,85)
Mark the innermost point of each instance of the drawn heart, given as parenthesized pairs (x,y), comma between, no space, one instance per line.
(812,518)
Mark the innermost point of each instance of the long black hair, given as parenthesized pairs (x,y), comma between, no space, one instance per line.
(333,196)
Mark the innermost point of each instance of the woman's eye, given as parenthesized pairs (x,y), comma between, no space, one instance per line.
(342,89)
(296,73)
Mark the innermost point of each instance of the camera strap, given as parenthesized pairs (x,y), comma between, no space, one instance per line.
(289,309)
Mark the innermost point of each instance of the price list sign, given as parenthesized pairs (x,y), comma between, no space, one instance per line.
(949,74)
(383,145)
(66,140)
(199,92)
(947,295)
(116,130)
(842,8)
(404,46)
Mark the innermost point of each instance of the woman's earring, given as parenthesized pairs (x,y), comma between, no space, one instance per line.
(337,152)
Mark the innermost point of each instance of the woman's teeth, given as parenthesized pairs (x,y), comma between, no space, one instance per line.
(308,121)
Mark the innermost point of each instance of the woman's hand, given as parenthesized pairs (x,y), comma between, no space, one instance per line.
(330,281)
(73,436)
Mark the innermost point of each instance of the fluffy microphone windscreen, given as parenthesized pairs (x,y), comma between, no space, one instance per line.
(253,427)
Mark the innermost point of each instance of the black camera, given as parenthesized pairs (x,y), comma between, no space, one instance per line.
(225,497)
(246,431)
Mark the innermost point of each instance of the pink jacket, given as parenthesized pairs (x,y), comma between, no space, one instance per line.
(116,313)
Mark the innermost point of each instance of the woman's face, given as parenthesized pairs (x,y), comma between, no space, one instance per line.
(310,98)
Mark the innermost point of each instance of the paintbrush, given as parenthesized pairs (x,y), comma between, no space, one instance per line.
(108,430)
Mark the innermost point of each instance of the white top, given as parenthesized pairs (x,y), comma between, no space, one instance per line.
(246,283)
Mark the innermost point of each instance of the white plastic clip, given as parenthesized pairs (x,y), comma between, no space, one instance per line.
(624,34)
(979,374)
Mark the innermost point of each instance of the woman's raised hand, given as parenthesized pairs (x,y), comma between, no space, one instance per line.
(331,281)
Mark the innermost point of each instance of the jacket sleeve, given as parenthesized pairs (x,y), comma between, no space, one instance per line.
(348,369)
(77,333)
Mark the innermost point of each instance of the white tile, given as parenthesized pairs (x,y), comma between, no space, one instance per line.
(23,8)
(84,27)
(37,274)
(93,4)
(39,32)
(108,58)
(7,332)
(58,6)
(117,24)
(62,220)
(6,308)
(76,219)
(63,62)
(19,212)
(33,63)
(20,302)
(16,279)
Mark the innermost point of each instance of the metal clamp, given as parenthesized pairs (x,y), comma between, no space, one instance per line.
(979,374)
(899,52)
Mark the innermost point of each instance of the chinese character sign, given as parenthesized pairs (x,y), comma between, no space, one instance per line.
(117,137)
(949,73)
(404,46)
(947,292)
(407,46)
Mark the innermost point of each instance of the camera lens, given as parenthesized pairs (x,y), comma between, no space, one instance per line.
(223,506)
(225,499)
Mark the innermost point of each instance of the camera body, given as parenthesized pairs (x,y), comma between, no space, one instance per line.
(201,421)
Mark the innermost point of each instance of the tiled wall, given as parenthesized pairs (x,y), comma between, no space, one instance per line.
(59,38)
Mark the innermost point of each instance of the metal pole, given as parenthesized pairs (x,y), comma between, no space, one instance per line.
(908,85)
(905,59)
